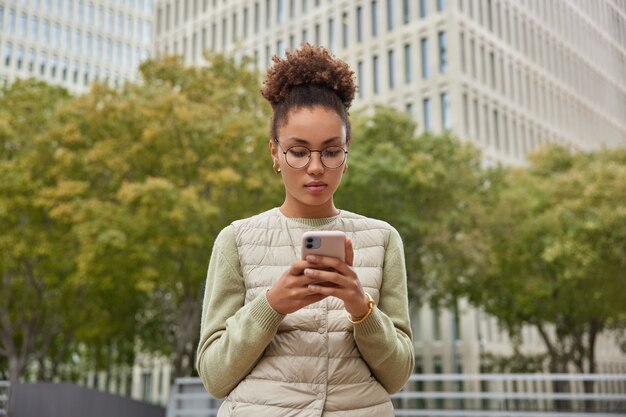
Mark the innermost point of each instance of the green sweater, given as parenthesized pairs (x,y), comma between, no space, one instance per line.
(234,335)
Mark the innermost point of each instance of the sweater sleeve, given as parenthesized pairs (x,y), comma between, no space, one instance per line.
(384,338)
(233,335)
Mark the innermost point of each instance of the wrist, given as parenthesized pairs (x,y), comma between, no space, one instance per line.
(370,307)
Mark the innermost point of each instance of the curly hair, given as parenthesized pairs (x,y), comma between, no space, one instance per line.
(306,78)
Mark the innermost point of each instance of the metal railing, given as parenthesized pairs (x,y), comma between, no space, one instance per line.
(466,395)
(4,397)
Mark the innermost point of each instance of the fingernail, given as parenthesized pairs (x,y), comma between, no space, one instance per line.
(311,258)
(308,271)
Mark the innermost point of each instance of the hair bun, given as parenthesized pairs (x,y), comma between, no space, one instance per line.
(308,65)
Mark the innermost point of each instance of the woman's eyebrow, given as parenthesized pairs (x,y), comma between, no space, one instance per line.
(304,141)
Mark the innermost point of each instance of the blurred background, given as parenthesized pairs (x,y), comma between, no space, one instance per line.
(491,133)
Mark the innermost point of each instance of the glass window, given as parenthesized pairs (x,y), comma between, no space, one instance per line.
(280,48)
(424,54)
(445,111)
(81,8)
(256,17)
(374,5)
(67,38)
(318,34)
(305,6)
(69,6)
(359,24)
(42,63)
(441,4)
(11,22)
(19,57)
(436,316)
(268,14)
(53,66)
(90,14)
(390,14)
(56,34)
(34,27)
(406,11)
(45,32)
(423,8)
(8,52)
(392,69)
(443,57)
(407,63)
(345,30)
(78,41)
(31,60)
(375,73)
(280,11)
(21,26)
(331,35)
(426,104)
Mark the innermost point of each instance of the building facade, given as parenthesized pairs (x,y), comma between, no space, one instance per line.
(74,42)
(507,75)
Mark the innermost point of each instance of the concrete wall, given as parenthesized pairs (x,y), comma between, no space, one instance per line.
(62,400)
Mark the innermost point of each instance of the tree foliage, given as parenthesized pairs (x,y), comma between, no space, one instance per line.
(557,251)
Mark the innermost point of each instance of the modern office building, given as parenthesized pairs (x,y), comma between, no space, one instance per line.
(507,75)
(74,42)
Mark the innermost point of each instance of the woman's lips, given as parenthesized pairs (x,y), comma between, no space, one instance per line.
(316,187)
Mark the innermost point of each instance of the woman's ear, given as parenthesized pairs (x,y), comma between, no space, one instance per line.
(273,150)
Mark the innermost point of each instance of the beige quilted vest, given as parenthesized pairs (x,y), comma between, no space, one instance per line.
(312,367)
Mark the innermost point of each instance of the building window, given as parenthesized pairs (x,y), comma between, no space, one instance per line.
(441,4)
(318,34)
(31,60)
(268,14)
(53,67)
(345,29)
(1,17)
(390,15)
(280,48)
(305,36)
(256,17)
(34,27)
(360,78)
(331,35)
(359,24)
(21,26)
(406,12)
(436,315)
(146,383)
(407,63)
(374,18)
(280,12)
(375,74)
(462,51)
(408,109)
(424,54)
(426,105)
(391,68)
(42,64)
(443,56)
(11,22)
(422,8)
(445,111)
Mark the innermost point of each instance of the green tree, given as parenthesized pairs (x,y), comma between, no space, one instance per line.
(148,175)
(557,252)
(35,259)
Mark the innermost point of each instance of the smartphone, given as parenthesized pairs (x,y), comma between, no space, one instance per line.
(324,243)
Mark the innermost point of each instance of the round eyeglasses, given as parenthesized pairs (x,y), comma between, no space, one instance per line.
(299,157)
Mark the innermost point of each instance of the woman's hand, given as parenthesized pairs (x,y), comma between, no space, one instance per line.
(339,281)
(291,292)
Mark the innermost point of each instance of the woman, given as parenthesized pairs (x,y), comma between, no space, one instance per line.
(274,342)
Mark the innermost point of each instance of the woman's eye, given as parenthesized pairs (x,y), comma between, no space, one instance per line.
(298,153)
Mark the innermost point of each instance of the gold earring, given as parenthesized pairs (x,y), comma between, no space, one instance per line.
(276,167)
(345,168)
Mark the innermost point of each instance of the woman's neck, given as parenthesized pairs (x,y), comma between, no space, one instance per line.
(308,212)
